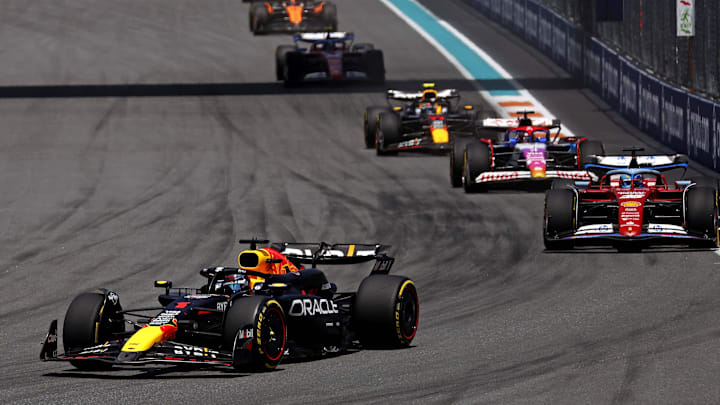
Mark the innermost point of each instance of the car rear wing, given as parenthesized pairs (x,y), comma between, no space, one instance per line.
(325,253)
(508,123)
(405,96)
(600,165)
(323,36)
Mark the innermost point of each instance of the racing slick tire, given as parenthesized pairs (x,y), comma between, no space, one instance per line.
(476,160)
(258,17)
(88,323)
(370,124)
(587,149)
(386,311)
(559,184)
(559,218)
(387,132)
(294,69)
(264,316)
(329,16)
(456,159)
(701,213)
(374,65)
(280,60)
(706,182)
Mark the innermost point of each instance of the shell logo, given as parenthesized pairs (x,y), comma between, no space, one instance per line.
(631,204)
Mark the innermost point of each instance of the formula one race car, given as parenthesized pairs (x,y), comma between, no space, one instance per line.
(249,317)
(529,153)
(631,206)
(426,121)
(291,16)
(329,55)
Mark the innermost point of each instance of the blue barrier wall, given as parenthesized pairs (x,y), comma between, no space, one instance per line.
(687,123)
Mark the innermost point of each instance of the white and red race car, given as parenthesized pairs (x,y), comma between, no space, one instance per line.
(531,150)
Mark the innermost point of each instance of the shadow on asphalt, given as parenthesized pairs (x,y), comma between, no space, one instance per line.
(266,88)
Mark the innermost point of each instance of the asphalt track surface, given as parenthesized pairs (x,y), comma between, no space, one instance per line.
(189,144)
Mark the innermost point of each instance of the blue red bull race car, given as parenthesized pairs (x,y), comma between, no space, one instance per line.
(248,317)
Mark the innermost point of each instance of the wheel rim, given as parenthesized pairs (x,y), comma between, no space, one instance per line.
(409,312)
(273,332)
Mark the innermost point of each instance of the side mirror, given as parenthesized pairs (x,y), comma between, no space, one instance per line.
(167,285)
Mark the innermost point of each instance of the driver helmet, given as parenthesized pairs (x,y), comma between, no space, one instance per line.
(626,181)
(638,180)
(517,136)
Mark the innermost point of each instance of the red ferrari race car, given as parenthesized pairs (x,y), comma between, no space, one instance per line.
(328,56)
(291,16)
(248,317)
(531,151)
(631,207)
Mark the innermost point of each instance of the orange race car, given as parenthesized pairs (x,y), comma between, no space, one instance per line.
(267,17)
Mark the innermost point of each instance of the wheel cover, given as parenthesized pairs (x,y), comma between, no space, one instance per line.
(409,311)
(273,333)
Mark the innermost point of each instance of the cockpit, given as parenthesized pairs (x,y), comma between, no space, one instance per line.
(632,178)
(527,135)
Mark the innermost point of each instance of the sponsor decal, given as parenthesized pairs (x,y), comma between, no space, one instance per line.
(113,297)
(197,296)
(632,195)
(97,349)
(410,143)
(188,350)
(51,338)
(222,306)
(328,253)
(164,318)
(245,334)
(312,307)
(631,204)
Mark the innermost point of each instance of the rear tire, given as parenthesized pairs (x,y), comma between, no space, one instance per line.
(386,311)
(294,69)
(456,159)
(701,213)
(280,60)
(374,65)
(476,160)
(559,218)
(370,124)
(388,132)
(264,350)
(258,17)
(586,150)
(86,319)
(329,16)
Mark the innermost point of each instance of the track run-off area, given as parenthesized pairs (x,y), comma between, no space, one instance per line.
(141,139)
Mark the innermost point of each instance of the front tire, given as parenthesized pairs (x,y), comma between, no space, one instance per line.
(386,311)
(387,133)
(262,318)
(456,160)
(559,218)
(89,322)
(370,124)
(701,213)
(476,160)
